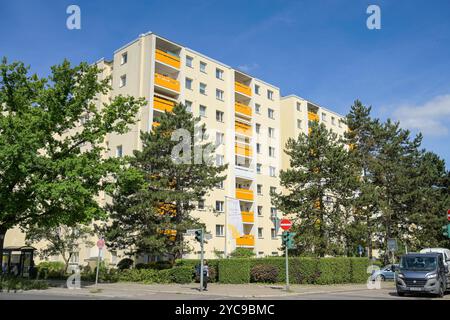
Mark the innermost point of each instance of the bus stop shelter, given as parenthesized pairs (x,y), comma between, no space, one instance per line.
(18,261)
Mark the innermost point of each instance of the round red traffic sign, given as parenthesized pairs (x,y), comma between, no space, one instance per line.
(100,243)
(285,224)
(448,214)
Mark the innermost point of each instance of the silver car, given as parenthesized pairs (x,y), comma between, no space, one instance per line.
(385,273)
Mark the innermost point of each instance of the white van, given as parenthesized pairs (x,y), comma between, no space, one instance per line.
(446,253)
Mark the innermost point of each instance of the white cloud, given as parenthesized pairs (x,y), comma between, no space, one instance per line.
(248,67)
(431,118)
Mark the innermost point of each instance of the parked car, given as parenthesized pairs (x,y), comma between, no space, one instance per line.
(385,273)
(421,273)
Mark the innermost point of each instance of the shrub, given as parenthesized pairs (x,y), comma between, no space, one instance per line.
(264,273)
(333,270)
(242,253)
(14,283)
(212,275)
(138,275)
(125,263)
(234,271)
(180,274)
(359,269)
(303,270)
(192,263)
(51,270)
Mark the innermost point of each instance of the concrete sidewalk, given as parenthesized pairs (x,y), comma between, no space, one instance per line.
(141,291)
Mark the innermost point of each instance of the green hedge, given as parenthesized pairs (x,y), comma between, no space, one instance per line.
(334,270)
(174,275)
(192,263)
(234,270)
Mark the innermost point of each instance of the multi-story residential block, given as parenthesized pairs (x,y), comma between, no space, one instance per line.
(246,118)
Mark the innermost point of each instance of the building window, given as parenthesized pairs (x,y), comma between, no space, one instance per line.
(272,171)
(119,151)
(273,233)
(259,188)
(260,211)
(258,128)
(219,138)
(219,116)
(260,232)
(258,168)
(123,81)
(271,152)
(219,230)
(273,190)
(188,105)
(271,133)
(202,66)
(203,88)
(257,108)
(219,160)
(219,94)
(219,206)
(299,106)
(258,148)
(124,58)
(201,204)
(333,121)
(219,74)
(299,123)
(188,83)
(270,94)
(324,117)
(270,113)
(339,123)
(256,89)
(189,61)
(220,185)
(202,111)
(75,258)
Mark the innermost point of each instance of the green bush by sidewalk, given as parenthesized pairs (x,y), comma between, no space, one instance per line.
(15,283)
(334,270)
(234,270)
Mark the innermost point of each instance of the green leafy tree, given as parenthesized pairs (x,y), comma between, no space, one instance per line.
(62,240)
(319,186)
(52,164)
(154,198)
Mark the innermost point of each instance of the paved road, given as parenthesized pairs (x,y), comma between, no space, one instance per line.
(121,291)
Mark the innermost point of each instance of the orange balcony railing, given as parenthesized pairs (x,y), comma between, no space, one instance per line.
(156,124)
(242,88)
(163,104)
(167,58)
(243,109)
(247,240)
(243,149)
(313,116)
(243,128)
(244,194)
(167,82)
(248,216)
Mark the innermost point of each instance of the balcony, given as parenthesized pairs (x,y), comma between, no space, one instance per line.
(163,104)
(242,88)
(243,109)
(247,240)
(156,124)
(167,82)
(244,194)
(248,216)
(167,58)
(313,116)
(243,149)
(243,128)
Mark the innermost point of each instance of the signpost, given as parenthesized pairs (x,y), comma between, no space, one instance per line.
(200,237)
(392,247)
(100,245)
(286,224)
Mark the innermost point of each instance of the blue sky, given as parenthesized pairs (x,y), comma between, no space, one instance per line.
(319,50)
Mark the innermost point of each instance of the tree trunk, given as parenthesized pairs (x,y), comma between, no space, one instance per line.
(2,242)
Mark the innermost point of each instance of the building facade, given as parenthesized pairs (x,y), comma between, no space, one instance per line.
(246,118)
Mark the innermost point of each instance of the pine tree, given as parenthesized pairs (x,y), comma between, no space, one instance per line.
(319,185)
(154,198)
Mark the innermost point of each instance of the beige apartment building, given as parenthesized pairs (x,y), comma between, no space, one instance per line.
(247,119)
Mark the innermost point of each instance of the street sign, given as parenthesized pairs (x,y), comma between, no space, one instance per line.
(360,250)
(448,214)
(392,244)
(285,224)
(208,236)
(190,232)
(100,243)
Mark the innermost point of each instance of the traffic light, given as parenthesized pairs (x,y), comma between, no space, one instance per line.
(198,235)
(446,230)
(285,238)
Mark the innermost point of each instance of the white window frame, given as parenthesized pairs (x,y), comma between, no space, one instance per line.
(219,94)
(189,61)
(219,74)
(202,107)
(202,87)
(203,66)
(124,58)
(122,81)
(190,81)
